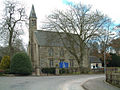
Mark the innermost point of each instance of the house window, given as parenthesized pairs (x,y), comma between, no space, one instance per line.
(61,60)
(96,65)
(51,52)
(51,63)
(62,52)
(71,62)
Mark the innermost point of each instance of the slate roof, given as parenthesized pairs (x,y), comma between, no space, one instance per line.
(48,38)
(94,59)
(32,13)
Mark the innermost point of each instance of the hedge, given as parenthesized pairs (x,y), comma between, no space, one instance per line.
(49,70)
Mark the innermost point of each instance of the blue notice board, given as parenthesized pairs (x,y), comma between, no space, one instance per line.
(63,65)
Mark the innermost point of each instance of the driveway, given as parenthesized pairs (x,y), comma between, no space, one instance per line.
(72,82)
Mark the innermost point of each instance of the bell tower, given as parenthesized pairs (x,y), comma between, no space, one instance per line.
(33,19)
(32,28)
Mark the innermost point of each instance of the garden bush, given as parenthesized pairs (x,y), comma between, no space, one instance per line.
(1,72)
(64,71)
(7,71)
(84,70)
(5,63)
(48,70)
(0,58)
(21,64)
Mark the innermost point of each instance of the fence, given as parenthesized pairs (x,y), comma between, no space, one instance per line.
(113,75)
(98,70)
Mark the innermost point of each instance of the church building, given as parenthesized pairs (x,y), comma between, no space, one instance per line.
(44,52)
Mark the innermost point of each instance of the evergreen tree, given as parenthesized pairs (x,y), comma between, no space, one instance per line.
(21,64)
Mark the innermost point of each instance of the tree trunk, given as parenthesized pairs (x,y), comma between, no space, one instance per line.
(10,44)
(81,57)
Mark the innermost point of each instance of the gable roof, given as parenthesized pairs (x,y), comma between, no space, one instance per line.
(52,38)
(48,38)
(94,59)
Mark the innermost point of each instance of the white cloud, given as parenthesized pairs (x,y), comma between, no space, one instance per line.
(44,7)
(108,7)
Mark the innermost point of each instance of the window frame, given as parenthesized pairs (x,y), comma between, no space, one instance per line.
(50,52)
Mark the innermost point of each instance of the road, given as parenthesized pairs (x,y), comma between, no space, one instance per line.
(72,82)
(98,84)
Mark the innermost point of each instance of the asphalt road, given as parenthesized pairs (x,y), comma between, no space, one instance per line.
(72,82)
(98,84)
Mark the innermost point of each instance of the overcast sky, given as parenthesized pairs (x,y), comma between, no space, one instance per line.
(44,7)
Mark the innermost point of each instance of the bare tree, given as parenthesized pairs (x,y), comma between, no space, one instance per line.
(103,42)
(12,22)
(105,39)
(79,25)
(94,48)
(17,46)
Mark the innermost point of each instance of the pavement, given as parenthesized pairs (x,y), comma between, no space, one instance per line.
(73,82)
(98,84)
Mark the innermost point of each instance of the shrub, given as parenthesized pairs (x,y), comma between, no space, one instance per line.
(5,63)
(49,70)
(64,71)
(7,71)
(115,62)
(85,70)
(0,58)
(1,72)
(21,64)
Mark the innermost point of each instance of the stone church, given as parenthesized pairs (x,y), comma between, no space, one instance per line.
(47,53)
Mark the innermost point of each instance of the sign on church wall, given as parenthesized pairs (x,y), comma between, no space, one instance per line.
(63,65)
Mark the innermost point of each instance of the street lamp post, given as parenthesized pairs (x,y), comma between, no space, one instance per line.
(104,58)
(105,42)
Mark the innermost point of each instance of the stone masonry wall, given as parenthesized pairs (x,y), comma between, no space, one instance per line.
(44,57)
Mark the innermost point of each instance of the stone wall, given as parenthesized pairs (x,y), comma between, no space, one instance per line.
(113,76)
(44,57)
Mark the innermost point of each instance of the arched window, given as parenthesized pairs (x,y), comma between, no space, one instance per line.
(33,22)
(50,52)
(51,62)
(62,52)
